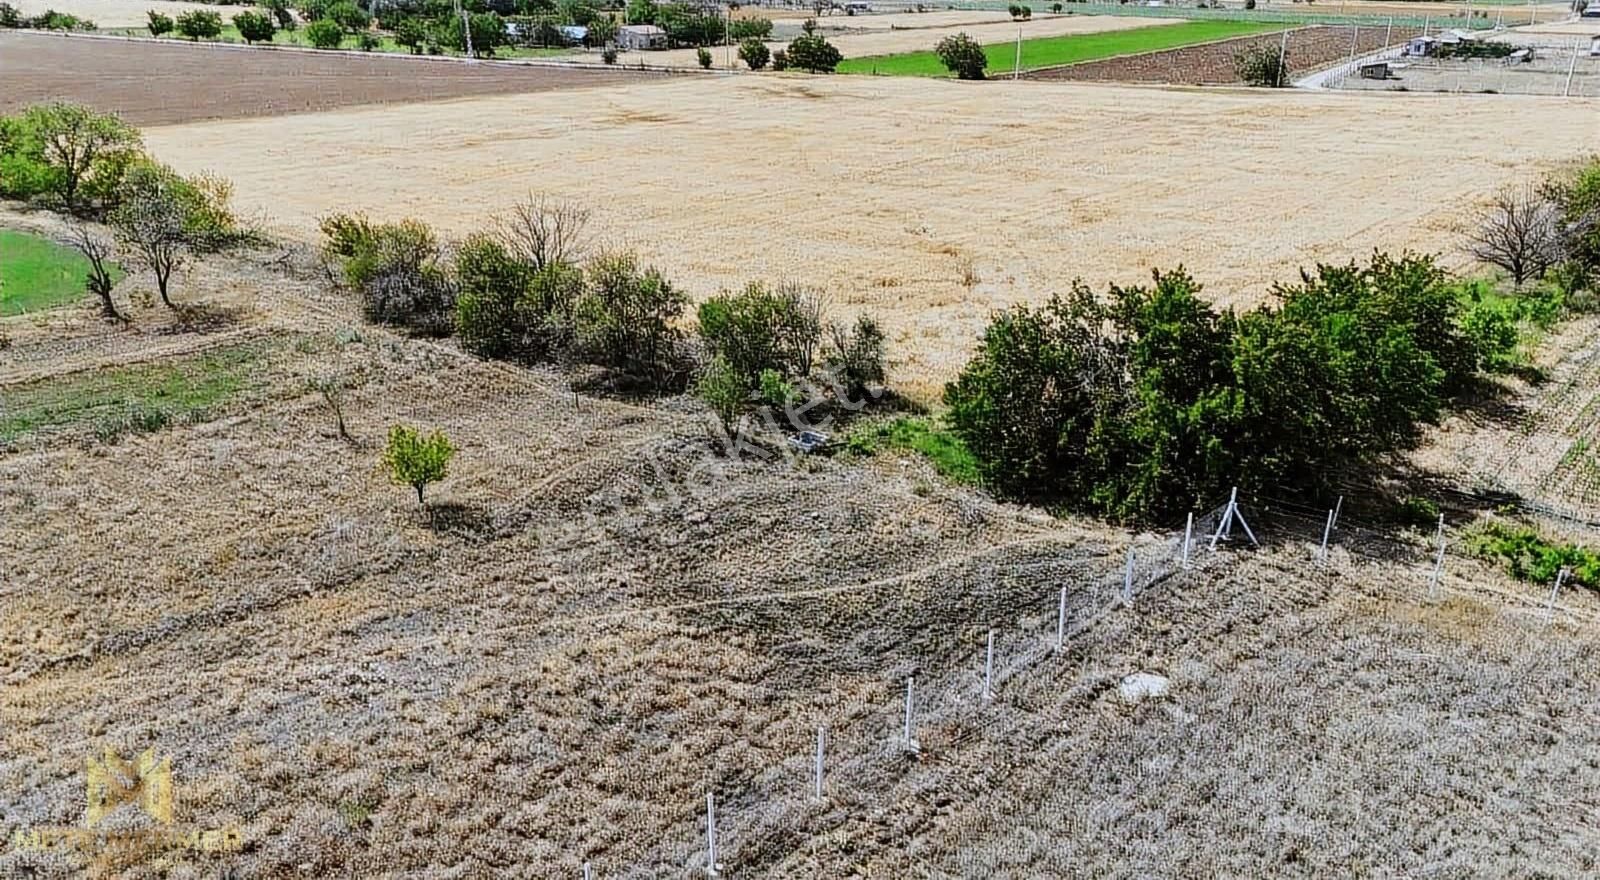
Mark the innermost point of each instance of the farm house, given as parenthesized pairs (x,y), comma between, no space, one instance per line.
(641,36)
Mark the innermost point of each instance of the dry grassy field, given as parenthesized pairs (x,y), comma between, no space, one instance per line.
(601,622)
(930,203)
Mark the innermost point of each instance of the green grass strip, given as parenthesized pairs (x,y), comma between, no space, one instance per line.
(134,399)
(1065,49)
(36,273)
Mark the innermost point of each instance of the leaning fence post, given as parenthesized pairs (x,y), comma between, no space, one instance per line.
(1061,619)
(1438,564)
(1338,510)
(1227,518)
(911,744)
(1550,607)
(1188,539)
(1327,530)
(711,834)
(586,874)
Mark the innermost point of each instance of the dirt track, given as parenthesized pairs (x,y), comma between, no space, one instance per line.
(162,83)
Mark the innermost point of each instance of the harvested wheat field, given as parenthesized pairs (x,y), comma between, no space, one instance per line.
(888,42)
(931,203)
(155,83)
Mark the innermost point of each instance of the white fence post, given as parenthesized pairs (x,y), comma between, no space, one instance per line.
(1188,539)
(711,834)
(1127,580)
(822,737)
(586,874)
(1061,619)
(988,669)
(1225,526)
(1550,607)
(911,744)
(1438,564)
(1327,530)
(1338,510)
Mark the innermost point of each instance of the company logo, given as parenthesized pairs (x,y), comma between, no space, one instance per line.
(126,789)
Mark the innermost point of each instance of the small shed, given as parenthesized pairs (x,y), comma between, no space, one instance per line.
(1375,70)
(641,36)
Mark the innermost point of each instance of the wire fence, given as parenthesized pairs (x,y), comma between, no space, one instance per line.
(971,648)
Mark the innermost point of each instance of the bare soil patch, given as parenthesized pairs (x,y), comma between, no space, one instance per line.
(1309,49)
(157,83)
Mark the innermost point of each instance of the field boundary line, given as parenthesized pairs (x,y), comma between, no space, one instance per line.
(1266,33)
(400,57)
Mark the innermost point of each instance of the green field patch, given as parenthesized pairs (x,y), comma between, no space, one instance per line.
(949,456)
(129,400)
(1065,49)
(36,273)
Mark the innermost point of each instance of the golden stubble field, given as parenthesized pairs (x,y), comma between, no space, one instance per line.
(929,203)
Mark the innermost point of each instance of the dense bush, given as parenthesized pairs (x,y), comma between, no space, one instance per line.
(1263,65)
(255,27)
(761,328)
(627,318)
(754,54)
(962,56)
(395,268)
(324,34)
(703,55)
(855,356)
(1577,195)
(199,24)
(509,308)
(813,53)
(159,24)
(346,14)
(10,16)
(1149,400)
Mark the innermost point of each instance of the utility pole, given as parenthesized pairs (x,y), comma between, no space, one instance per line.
(466,29)
(1567,90)
(1016,72)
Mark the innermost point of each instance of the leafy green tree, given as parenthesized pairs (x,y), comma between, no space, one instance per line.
(602,31)
(1578,197)
(412,33)
(324,33)
(415,460)
(813,53)
(643,12)
(754,54)
(199,24)
(65,152)
(691,25)
(255,27)
(159,24)
(348,15)
(962,56)
(627,317)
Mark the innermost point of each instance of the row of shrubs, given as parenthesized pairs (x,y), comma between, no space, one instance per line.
(528,291)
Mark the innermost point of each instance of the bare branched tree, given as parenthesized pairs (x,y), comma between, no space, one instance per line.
(152,223)
(332,390)
(544,231)
(1520,231)
(96,249)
